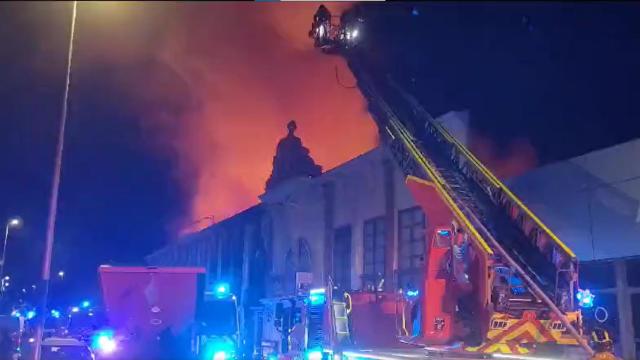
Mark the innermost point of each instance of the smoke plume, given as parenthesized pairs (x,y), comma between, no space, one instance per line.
(251,69)
(216,85)
(505,161)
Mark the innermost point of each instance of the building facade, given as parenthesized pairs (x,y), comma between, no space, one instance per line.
(358,226)
(347,225)
(235,250)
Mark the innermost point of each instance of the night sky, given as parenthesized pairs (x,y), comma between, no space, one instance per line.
(562,77)
(118,199)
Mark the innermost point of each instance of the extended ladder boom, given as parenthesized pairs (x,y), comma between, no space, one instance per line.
(497,220)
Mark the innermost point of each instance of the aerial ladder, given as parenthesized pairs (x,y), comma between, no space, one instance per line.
(510,235)
(526,278)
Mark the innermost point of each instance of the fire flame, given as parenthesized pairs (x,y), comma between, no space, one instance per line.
(245,70)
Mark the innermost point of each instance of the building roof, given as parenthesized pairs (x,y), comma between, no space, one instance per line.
(209,232)
(591,202)
(283,191)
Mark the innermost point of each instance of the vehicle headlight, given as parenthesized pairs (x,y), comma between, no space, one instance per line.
(104,341)
(220,355)
(218,349)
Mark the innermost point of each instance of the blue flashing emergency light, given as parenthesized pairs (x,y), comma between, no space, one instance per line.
(16,313)
(55,314)
(218,349)
(85,304)
(272,357)
(30,314)
(317,296)
(443,232)
(413,293)
(221,290)
(585,298)
(314,355)
(104,341)
(75,309)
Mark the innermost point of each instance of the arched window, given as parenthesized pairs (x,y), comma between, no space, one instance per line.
(304,255)
(412,223)
(266,234)
(289,272)
(289,261)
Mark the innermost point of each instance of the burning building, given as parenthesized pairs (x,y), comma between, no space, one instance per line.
(359,225)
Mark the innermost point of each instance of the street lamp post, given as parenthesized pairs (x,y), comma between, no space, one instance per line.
(55,190)
(11,224)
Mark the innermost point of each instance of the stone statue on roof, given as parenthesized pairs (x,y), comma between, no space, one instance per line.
(292,160)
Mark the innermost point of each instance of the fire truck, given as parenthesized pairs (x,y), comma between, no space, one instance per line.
(166,313)
(497,281)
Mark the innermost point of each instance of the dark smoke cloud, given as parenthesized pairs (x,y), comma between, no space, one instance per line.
(215,85)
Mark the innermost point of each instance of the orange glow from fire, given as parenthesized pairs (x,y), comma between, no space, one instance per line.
(215,85)
(250,68)
(519,157)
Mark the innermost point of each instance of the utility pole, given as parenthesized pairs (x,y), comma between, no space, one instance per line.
(55,190)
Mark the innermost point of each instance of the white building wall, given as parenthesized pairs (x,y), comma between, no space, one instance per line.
(591,202)
(297,206)
(617,166)
(359,196)
(402,200)
(297,210)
